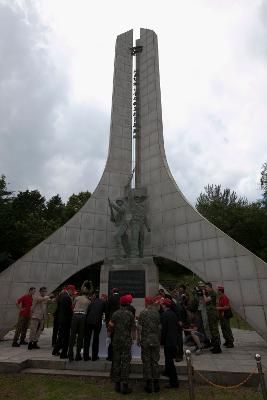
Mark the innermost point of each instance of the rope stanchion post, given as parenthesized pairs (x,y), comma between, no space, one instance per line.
(190,375)
(261,376)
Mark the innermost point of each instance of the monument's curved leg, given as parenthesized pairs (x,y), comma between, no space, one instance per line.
(178,231)
(87,237)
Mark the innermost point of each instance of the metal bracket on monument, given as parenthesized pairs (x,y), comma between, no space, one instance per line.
(136,49)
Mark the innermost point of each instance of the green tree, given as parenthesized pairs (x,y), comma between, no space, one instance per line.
(30,225)
(27,218)
(55,212)
(243,221)
(75,203)
(263,183)
(6,223)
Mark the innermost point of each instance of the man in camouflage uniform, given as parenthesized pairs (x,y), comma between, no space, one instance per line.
(122,324)
(210,298)
(149,338)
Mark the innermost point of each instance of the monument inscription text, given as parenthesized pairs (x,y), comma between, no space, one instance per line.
(132,282)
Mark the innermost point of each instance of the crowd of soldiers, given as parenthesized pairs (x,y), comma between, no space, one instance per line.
(169,319)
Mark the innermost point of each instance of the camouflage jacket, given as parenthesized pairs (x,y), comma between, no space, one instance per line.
(124,324)
(149,324)
(211,306)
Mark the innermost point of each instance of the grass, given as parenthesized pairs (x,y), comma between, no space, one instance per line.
(42,387)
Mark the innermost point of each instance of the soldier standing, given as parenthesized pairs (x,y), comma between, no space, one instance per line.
(210,298)
(170,329)
(148,330)
(225,313)
(122,324)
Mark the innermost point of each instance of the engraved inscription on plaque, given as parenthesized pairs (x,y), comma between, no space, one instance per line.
(133,282)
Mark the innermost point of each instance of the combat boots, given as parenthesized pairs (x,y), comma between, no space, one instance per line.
(156,385)
(126,389)
(148,386)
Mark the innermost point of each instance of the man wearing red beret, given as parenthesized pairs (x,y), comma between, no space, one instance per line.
(169,334)
(148,330)
(122,324)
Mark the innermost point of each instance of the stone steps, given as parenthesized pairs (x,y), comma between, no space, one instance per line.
(92,374)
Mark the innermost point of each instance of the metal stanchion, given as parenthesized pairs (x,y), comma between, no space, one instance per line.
(190,375)
(261,376)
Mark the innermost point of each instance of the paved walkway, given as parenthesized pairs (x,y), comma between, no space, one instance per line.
(237,361)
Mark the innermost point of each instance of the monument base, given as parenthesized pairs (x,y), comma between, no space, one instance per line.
(138,276)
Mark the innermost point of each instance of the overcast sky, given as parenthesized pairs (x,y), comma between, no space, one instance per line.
(56,71)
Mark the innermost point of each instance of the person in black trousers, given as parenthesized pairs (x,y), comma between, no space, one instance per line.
(112,306)
(64,321)
(93,326)
(169,323)
(176,308)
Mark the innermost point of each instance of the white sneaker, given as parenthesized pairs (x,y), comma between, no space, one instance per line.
(198,352)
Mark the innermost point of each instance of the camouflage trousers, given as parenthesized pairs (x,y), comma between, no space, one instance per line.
(214,329)
(226,330)
(150,358)
(121,363)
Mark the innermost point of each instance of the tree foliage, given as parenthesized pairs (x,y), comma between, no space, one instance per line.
(244,221)
(27,218)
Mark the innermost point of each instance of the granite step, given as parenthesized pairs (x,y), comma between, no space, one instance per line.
(93,374)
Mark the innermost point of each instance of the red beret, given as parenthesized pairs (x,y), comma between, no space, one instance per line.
(149,300)
(158,299)
(129,297)
(124,300)
(167,302)
(71,287)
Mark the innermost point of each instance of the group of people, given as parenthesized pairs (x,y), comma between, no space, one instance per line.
(32,313)
(170,320)
(203,313)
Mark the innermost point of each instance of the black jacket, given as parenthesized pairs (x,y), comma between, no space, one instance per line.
(64,310)
(112,306)
(170,328)
(95,312)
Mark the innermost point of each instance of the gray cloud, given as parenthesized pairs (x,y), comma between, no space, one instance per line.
(43,136)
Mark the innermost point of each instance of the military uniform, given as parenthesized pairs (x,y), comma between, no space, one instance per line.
(213,320)
(149,325)
(123,325)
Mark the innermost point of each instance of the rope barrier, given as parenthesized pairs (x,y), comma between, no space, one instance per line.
(227,387)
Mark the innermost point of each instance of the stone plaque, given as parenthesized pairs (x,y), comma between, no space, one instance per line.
(128,282)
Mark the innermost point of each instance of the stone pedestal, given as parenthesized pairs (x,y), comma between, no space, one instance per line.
(138,276)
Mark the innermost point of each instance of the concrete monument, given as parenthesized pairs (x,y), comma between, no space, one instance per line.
(155,219)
